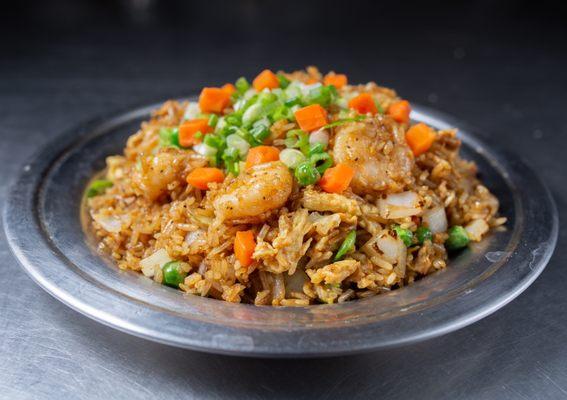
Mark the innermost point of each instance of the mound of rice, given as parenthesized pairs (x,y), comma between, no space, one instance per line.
(151,215)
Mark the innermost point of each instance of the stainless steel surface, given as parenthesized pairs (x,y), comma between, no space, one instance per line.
(42,223)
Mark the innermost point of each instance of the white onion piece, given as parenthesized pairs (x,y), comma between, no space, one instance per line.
(204,149)
(238,143)
(436,220)
(109,223)
(294,283)
(476,229)
(319,136)
(192,111)
(158,259)
(291,157)
(389,247)
(399,205)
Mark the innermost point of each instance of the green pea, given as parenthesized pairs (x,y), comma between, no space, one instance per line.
(173,274)
(404,234)
(458,238)
(422,234)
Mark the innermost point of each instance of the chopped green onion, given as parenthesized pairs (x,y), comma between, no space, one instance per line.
(343,121)
(292,101)
(458,238)
(173,273)
(98,187)
(317,158)
(266,98)
(233,119)
(404,234)
(253,113)
(239,143)
(214,141)
(169,137)
(322,95)
(291,157)
(213,120)
(315,148)
(284,82)
(231,158)
(306,173)
(282,112)
(296,138)
(198,135)
(242,85)
(260,131)
(379,107)
(422,234)
(347,246)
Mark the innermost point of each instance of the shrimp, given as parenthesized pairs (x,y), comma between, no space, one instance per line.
(378,153)
(157,171)
(260,189)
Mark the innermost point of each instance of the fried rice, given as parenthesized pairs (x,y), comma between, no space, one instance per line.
(310,237)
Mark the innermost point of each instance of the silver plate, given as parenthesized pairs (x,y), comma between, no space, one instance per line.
(42,222)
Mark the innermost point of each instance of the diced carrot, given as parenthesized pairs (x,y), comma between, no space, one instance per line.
(420,137)
(188,129)
(311,80)
(266,79)
(336,179)
(337,80)
(363,104)
(400,111)
(311,117)
(201,177)
(262,154)
(229,88)
(213,100)
(244,245)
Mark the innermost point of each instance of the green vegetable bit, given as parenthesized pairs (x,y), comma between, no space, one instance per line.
(98,187)
(458,238)
(213,120)
(346,247)
(322,161)
(422,234)
(242,85)
(323,95)
(298,139)
(343,121)
(284,82)
(404,234)
(306,173)
(169,137)
(173,274)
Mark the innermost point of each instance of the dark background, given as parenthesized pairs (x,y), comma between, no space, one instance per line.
(500,66)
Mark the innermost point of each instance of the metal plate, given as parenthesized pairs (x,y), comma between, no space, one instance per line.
(42,222)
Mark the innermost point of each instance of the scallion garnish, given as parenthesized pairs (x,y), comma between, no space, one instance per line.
(347,246)
(98,187)
(343,121)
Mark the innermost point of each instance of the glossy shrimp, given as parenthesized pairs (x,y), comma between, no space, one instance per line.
(259,189)
(378,153)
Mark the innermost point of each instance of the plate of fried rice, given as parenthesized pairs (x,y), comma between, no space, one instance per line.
(295,214)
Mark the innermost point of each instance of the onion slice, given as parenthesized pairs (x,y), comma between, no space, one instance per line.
(399,205)
(436,220)
(157,259)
